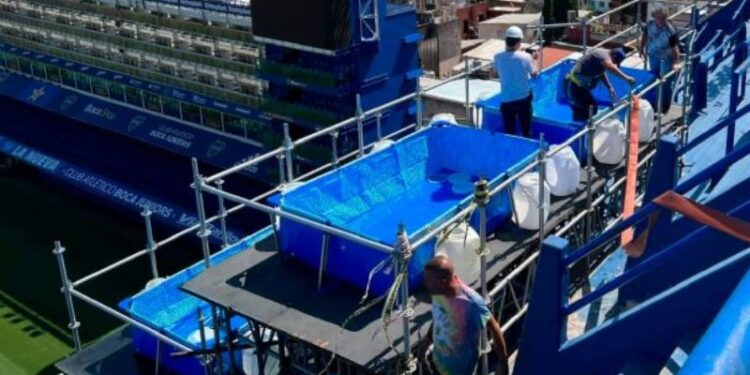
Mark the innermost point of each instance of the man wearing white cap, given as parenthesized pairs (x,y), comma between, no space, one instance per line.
(515,68)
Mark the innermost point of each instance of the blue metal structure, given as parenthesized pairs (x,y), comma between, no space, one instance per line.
(725,347)
(670,294)
(682,285)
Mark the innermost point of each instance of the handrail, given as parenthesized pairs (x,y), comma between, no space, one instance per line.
(726,162)
(143,252)
(631,274)
(256,160)
(445,224)
(714,130)
(558,25)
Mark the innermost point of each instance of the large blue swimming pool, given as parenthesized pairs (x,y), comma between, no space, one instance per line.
(420,181)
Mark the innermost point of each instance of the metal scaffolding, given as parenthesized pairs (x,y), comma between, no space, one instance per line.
(508,293)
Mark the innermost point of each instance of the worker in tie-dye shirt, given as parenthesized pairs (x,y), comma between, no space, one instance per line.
(459,316)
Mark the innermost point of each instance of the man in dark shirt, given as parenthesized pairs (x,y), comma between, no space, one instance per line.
(585,76)
(660,47)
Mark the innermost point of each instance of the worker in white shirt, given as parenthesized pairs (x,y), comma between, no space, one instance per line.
(515,68)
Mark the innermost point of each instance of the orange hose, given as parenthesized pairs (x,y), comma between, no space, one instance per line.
(631,171)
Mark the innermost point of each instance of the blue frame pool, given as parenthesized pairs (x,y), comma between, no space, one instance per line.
(420,181)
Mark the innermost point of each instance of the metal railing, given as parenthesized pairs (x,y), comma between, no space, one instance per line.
(284,155)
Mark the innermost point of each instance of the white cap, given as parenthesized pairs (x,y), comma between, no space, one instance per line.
(514,32)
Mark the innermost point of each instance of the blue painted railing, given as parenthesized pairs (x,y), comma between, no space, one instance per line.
(546,325)
(729,120)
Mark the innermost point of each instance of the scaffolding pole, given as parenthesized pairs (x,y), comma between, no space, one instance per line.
(74,324)
(203,232)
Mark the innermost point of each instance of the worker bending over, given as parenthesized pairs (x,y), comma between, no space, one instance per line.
(515,68)
(459,315)
(585,76)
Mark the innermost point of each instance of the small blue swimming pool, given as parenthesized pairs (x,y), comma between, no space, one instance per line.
(552,114)
(174,313)
(419,181)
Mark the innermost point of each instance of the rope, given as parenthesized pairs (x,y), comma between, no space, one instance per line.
(379,267)
(403,247)
(359,311)
(404,250)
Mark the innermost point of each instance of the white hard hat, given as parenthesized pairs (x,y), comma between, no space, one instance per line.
(514,32)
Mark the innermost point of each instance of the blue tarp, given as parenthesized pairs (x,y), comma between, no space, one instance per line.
(419,181)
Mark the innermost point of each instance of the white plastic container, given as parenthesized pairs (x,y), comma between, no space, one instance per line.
(526,201)
(443,117)
(609,142)
(461,247)
(563,171)
(646,122)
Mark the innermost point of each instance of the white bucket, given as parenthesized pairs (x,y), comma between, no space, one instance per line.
(646,122)
(381,145)
(443,117)
(563,171)
(461,247)
(526,201)
(609,142)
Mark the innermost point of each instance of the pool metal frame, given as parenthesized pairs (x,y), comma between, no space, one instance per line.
(601,213)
